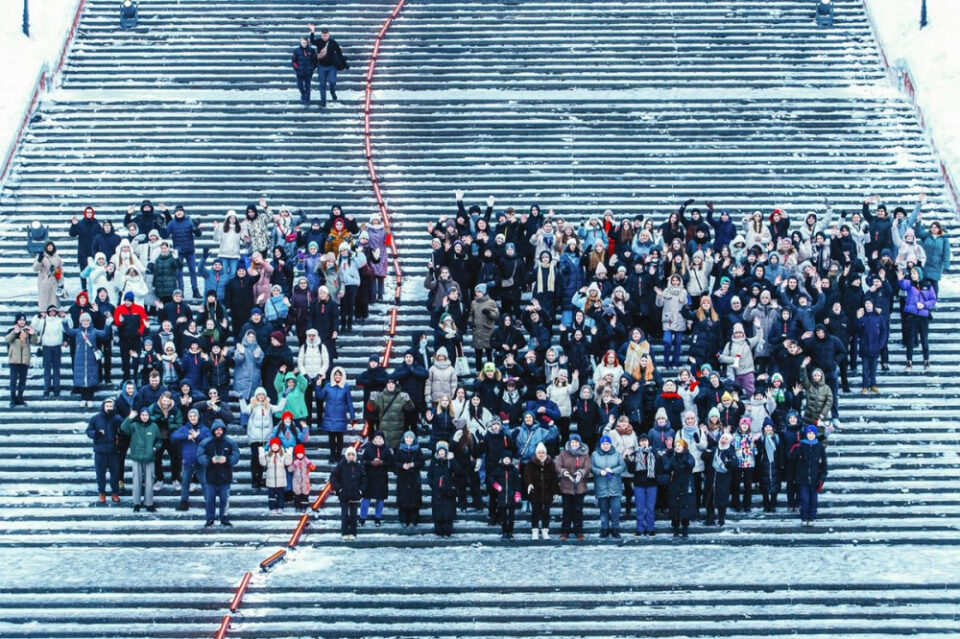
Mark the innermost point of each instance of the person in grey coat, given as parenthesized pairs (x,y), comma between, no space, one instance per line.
(608,467)
(247,357)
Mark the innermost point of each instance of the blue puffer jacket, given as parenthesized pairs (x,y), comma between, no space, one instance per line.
(571,278)
(527,438)
(337,406)
(938,253)
(288,437)
(350,269)
(607,484)
(924,296)
(188,449)
(182,231)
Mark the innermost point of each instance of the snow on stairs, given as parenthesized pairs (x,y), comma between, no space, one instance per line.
(661,610)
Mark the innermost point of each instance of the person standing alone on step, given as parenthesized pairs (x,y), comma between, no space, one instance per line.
(304,62)
(329,60)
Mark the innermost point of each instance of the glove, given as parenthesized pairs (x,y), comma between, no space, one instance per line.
(530,489)
(497,487)
(476,467)
(603,473)
(516,497)
(820,487)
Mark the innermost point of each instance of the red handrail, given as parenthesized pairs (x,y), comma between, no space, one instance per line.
(321,499)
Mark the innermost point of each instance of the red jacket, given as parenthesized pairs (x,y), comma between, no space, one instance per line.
(122,311)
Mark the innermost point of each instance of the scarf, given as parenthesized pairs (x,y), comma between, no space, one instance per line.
(770,446)
(550,285)
(631,363)
(718,464)
(624,430)
(688,433)
(442,365)
(647,461)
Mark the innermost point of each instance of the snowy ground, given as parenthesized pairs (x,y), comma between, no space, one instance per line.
(22,58)
(491,564)
(932,59)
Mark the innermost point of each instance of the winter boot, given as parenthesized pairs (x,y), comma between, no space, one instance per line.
(535,534)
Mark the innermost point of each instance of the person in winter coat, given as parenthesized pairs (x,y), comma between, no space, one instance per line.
(275,461)
(745,447)
(104,429)
(313,361)
(391,407)
(530,433)
(49,270)
(468,453)
(167,271)
(182,230)
(920,300)
(643,463)
(495,441)
(720,461)
(573,468)
(338,414)
(257,414)
(771,454)
(300,468)
(304,61)
(872,333)
(290,389)
(608,466)
(505,481)
(441,379)
(696,437)
(443,490)
(811,471)
(681,496)
(674,301)
(247,357)
(738,353)
(817,393)
(408,462)
(86,358)
(540,485)
(228,236)
(188,438)
(85,229)
(168,418)
(936,245)
(377,460)
(19,340)
(144,442)
(219,454)
(483,321)
(349,482)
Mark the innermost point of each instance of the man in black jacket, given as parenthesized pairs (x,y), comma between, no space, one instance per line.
(329,60)
(304,62)
(219,454)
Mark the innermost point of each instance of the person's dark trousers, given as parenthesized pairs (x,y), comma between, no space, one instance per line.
(741,491)
(123,444)
(104,462)
(106,362)
(336,446)
(831,379)
(627,494)
(276,498)
(186,475)
(923,332)
(303,84)
(793,498)
(885,351)
(507,519)
(325,75)
(256,470)
(868,371)
(190,261)
(769,501)
(347,307)
(52,358)
(680,525)
(853,349)
(18,381)
(482,356)
(308,398)
(212,492)
(409,516)
(129,363)
(493,510)
(348,518)
(808,502)
(572,521)
(540,515)
(174,451)
(844,381)
(468,484)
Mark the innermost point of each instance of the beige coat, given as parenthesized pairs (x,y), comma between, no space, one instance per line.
(47,281)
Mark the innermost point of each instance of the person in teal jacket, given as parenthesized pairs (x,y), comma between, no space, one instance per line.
(290,394)
(608,468)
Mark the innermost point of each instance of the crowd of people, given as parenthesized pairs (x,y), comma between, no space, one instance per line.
(763,319)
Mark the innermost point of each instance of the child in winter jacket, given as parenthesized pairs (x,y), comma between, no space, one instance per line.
(745,447)
(301,466)
(505,480)
(275,462)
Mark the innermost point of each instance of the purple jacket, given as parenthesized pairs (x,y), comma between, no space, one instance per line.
(924,295)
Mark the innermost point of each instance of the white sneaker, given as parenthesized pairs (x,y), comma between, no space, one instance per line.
(158,486)
(176,486)
(545,533)
(535,534)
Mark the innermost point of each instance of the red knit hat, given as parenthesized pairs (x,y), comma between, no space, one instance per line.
(299,450)
(276,440)
(286,414)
